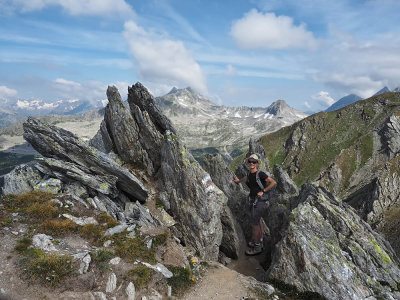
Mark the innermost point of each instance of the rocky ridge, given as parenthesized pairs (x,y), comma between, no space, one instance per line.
(315,241)
(204,212)
(222,127)
(351,162)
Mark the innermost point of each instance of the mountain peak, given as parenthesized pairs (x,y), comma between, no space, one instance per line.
(382,91)
(342,102)
(172,91)
(280,108)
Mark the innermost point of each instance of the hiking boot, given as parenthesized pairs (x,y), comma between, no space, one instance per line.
(252,244)
(254,251)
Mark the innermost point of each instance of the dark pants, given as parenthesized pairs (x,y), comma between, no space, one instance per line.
(257,207)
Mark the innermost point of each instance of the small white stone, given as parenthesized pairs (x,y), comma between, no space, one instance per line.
(111,283)
(115,261)
(107,243)
(130,291)
(169,293)
(100,295)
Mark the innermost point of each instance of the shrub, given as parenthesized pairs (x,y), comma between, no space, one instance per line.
(160,239)
(58,227)
(50,268)
(133,248)
(105,218)
(42,211)
(181,280)
(101,258)
(23,245)
(141,276)
(92,232)
(27,199)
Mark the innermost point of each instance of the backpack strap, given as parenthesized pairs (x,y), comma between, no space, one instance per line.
(259,180)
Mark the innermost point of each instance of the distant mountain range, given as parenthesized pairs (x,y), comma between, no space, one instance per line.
(349,99)
(203,124)
(13,111)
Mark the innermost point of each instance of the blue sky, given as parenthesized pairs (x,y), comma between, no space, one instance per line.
(309,53)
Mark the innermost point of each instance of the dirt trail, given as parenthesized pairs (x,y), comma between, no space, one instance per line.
(237,281)
(222,283)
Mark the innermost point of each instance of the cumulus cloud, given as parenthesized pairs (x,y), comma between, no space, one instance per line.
(6,92)
(323,99)
(268,31)
(92,91)
(162,60)
(75,7)
(349,65)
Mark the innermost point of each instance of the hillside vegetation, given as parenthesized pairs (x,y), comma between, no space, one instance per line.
(347,138)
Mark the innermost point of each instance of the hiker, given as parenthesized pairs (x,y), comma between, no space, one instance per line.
(260,185)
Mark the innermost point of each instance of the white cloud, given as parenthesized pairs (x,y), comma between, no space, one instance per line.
(268,31)
(230,70)
(306,104)
(6,92)
(363,67)
(323,98)
(163,61)
(63,81)
(76,7)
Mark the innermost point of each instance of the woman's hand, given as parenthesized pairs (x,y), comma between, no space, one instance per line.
(236,179)
(259,194)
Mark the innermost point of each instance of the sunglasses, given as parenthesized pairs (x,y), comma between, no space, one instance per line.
(252,161)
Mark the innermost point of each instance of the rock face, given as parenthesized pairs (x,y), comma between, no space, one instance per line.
(144,142)
(235,216)
(74,159)
(195,202)
(21,179)
(328,249)
(378,196)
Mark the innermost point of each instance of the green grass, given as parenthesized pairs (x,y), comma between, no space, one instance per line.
(133,249)
(391,227)
(101,258)
(57,227)
(325,135)
(181,280)
(50,268)
(141,276)
(104,218)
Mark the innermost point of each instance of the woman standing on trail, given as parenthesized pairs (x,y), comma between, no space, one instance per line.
(260,185)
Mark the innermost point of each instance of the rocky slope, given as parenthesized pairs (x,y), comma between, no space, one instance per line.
(135,201)
(222,127)
(316,242)
(353,151)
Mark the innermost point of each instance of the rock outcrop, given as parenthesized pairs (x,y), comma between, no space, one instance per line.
(70,157)
(328,249)
(145,144)
(235,215)
(378,196)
